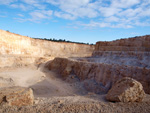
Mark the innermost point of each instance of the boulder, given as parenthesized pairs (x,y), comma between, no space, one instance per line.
(16,96)
(126,90)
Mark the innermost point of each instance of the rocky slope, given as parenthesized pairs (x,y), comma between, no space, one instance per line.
(98,77)
(110,61)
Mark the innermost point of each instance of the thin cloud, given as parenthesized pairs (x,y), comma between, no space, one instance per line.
(20,6)
(103,13)
(7,2)
(39,15)
(30,1)
(21,15)
(64,15)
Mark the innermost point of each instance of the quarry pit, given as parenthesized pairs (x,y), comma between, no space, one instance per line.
(70,77)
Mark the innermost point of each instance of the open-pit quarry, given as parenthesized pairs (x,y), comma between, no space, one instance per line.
(39,76)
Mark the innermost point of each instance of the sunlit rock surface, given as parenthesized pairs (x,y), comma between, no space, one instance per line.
(16,96)
(126,90)
(141,43)
(24,50)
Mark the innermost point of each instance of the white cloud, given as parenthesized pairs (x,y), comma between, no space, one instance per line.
(72,4)
(35,3)
(104,13)
(21,15)
(77,8)
(121,25)
(7,2)
(20,6)
(109,11)
(39,15)
(53,2)
(65,4)
(84,12)
(130,12)
(64,15)
(124,3)
(31,1)
(112,19)
(36,16)
(105,24)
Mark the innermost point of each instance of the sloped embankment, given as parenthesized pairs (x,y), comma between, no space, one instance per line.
(98,77)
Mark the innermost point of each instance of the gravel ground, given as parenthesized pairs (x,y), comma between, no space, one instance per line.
(90,103)
(63,98)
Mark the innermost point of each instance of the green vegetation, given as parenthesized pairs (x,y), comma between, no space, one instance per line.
(61,40)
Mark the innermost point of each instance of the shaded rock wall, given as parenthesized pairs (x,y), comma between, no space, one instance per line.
(126,57)
(103,75)
(129,58)
(130,52)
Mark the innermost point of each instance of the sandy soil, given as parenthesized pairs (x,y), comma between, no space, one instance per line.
(52,95)
(79,104)
(44,84)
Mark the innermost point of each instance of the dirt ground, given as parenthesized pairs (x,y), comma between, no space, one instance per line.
(53,95)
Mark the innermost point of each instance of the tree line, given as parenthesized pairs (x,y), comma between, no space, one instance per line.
(57,40)
(62,40)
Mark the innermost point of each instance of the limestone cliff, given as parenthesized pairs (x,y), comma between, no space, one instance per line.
(141,43)
(16,44)
(13,46)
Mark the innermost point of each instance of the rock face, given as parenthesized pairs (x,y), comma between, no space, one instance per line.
(27,50)
(141,43)
(16,96)
(129,58)
(101,76)
(130,52)
(14,44)
(126,90)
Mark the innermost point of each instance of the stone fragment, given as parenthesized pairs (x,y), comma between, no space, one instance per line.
(126,90)
(16,96)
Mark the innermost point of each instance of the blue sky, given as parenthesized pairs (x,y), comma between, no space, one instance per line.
(76,20)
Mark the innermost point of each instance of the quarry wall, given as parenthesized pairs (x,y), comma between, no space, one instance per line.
(110,62)
(11,43)
(131,52)
(131,44)
(103,76)
(14,45)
